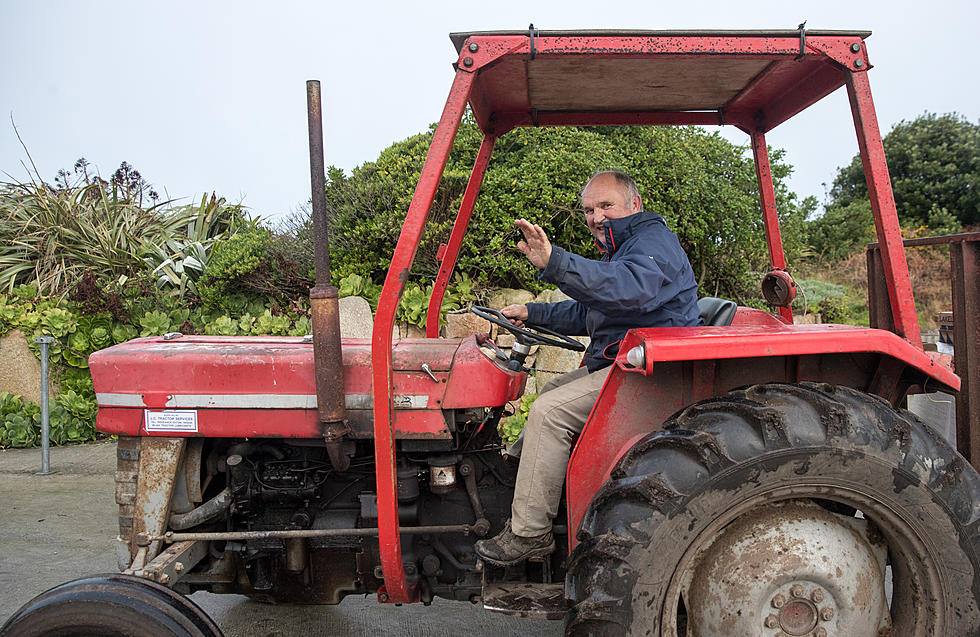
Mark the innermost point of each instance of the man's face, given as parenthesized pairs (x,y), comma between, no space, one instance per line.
(604,198)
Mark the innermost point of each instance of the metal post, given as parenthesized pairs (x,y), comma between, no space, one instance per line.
(44,341)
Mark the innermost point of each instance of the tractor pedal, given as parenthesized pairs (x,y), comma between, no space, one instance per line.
(524,599)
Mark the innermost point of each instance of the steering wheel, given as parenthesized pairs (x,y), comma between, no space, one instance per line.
(539,335)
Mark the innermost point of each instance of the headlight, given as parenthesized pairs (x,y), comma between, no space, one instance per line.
(637,357)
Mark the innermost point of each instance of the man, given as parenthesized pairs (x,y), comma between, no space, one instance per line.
(643,279)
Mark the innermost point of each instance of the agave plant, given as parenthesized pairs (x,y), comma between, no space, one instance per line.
(52,236)
(177,262)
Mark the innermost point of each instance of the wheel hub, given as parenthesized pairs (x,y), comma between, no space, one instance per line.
(791,569)
(798,617)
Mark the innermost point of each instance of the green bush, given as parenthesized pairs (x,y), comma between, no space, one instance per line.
(703,185)
(841,230)
(235,266)
(414,302)
(71,419)
(253,265)
(832,310)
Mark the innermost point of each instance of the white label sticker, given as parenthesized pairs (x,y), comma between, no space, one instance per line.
(175,420)
(410,401)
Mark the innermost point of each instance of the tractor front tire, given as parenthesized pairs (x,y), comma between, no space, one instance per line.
(110,606)
(770,470)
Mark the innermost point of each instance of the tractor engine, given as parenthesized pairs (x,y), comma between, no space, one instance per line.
(291,485)
(254,468)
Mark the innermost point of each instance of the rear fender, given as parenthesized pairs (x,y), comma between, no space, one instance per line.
(685,365)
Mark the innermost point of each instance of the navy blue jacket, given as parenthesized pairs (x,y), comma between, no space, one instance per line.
(644,280)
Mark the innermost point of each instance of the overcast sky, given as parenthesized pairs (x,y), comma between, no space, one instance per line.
(203,96)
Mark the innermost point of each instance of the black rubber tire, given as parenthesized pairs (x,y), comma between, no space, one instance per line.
(723,455)
(110,606)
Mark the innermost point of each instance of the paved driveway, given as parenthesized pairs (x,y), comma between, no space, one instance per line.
(58,527)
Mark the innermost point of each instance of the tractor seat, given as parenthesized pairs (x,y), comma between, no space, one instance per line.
(715,311)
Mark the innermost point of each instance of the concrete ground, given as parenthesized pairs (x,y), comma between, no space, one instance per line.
(58,527)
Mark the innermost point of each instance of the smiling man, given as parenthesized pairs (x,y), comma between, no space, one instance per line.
(642,279)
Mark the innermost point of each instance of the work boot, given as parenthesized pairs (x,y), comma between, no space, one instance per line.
(507,549)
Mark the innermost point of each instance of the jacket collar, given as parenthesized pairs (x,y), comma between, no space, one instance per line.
(617,231)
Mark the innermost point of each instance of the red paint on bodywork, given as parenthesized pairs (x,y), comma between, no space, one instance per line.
(381,355)
(889,232)
(749,316)
(448,252)
(770,216)
(635,402)
(157,374)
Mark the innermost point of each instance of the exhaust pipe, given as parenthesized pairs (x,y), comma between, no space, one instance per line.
(328,361)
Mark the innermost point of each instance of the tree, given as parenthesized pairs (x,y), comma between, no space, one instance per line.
(934,162)
(841,229)
(702,184)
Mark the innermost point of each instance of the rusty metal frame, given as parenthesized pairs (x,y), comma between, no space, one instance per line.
(964,262)
(159,461)
(839,51)
(170,565)
(964,259)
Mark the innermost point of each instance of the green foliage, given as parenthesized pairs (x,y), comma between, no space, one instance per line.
(19,431)
(155,323)
(122,332)
(301,327)
(180,260)
(702,184)
(813,291)
(222,326)
(842,229)
(57,322)
(89,265)
(267,323)
(357,285)
(941,221)
(414,302)
(832,310)
(413,305)
(253,264)
(71,419)
(16,421)
(934,161)
(53,235)
(75,422)
(512,426)
(233,267)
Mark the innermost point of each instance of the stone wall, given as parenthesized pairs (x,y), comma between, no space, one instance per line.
(20,372)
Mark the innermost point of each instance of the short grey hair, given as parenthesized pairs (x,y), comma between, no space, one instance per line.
(624,180)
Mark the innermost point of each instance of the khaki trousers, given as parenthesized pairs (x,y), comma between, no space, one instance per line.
(556,418)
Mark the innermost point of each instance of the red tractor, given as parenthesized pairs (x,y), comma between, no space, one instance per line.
(747,477)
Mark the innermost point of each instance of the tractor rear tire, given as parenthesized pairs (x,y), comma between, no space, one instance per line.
(778,445)
(110,606)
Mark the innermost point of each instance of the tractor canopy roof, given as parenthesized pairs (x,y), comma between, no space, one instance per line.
(752,79)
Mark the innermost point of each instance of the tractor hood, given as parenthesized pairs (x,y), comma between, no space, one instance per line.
(264,386)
